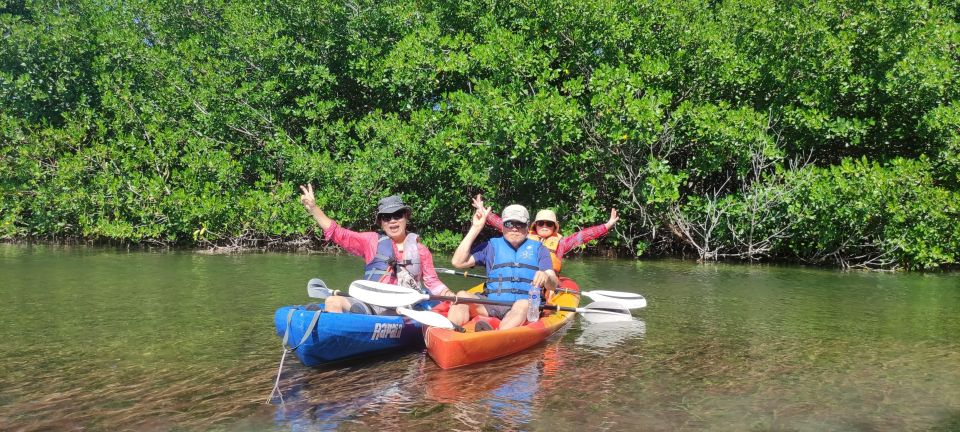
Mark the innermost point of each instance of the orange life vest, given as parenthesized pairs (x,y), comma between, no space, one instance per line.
(551,243)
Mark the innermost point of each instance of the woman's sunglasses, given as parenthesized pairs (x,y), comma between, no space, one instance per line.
(387,217)
(545,224)
(514,225)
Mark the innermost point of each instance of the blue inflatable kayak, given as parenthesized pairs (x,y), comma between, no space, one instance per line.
(333,337)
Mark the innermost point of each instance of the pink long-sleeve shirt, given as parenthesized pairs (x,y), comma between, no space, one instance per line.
(567,243)
(364,245)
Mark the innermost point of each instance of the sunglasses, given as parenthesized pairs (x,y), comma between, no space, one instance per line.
(545,224)
(514,225)
(387,217)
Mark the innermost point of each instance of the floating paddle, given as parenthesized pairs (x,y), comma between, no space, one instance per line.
(387,295)
(628,300)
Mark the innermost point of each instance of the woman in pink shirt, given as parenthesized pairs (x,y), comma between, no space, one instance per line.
(393,256)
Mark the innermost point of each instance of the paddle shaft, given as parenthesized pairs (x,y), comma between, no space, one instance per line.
(629,300)
(485,301)
(480,276)
(460,273)
(455,300)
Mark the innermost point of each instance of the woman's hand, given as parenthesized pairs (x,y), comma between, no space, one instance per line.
(307,199)
(613,219)
(310,203)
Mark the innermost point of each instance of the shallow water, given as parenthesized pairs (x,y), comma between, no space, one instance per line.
(102,339)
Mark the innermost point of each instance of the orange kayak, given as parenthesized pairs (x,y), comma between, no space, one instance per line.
(451,349)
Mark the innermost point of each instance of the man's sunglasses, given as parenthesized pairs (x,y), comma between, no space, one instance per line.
(514,225)
(545,224)
(387,217)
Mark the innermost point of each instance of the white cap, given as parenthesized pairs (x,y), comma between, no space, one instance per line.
(516,212)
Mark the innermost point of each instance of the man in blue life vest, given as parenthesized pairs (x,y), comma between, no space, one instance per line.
(514,263)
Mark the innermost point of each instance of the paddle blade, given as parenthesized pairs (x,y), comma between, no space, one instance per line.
(605,311)
(316,288)
(625,299)
(432,319)
(385,295)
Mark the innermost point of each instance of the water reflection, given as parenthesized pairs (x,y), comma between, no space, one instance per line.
(504,394)
(326,399)
(604,336)
(413,391)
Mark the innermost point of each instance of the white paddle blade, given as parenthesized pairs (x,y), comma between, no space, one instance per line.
(605,311)
(316,288)
(627,300)
(432,319)
(384,295)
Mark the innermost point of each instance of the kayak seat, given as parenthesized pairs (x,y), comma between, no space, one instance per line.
(482,326)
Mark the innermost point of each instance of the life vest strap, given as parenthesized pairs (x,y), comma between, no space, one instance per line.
(515,265)
(498,290)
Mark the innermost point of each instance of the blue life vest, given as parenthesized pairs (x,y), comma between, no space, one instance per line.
(510,273)
(385,263)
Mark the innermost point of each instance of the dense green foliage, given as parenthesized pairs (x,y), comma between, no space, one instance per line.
(825,131)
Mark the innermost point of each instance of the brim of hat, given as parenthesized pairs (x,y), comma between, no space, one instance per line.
(517,220)
(394,209)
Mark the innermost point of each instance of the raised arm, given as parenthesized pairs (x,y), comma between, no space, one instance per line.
(587,234)
(362,244)
(462,257)
(310,203)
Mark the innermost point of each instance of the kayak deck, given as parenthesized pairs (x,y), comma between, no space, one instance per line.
(451,349)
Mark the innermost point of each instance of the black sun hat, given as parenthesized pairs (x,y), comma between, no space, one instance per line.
(391,204)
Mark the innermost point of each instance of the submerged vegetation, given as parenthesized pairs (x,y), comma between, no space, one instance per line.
(825,132)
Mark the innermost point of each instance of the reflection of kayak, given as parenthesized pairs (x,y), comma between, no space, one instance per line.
(451,349)
(485,381)
(339,336)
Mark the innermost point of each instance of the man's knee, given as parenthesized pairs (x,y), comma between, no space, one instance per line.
(520,305)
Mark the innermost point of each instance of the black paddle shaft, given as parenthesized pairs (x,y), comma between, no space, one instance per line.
(504,303)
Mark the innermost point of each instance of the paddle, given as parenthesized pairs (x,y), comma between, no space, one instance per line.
(387,295)
(316,288)
(628,300)
(429,318)
(461,273)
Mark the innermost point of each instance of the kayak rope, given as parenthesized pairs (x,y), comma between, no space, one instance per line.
(288,349)
(276,384)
